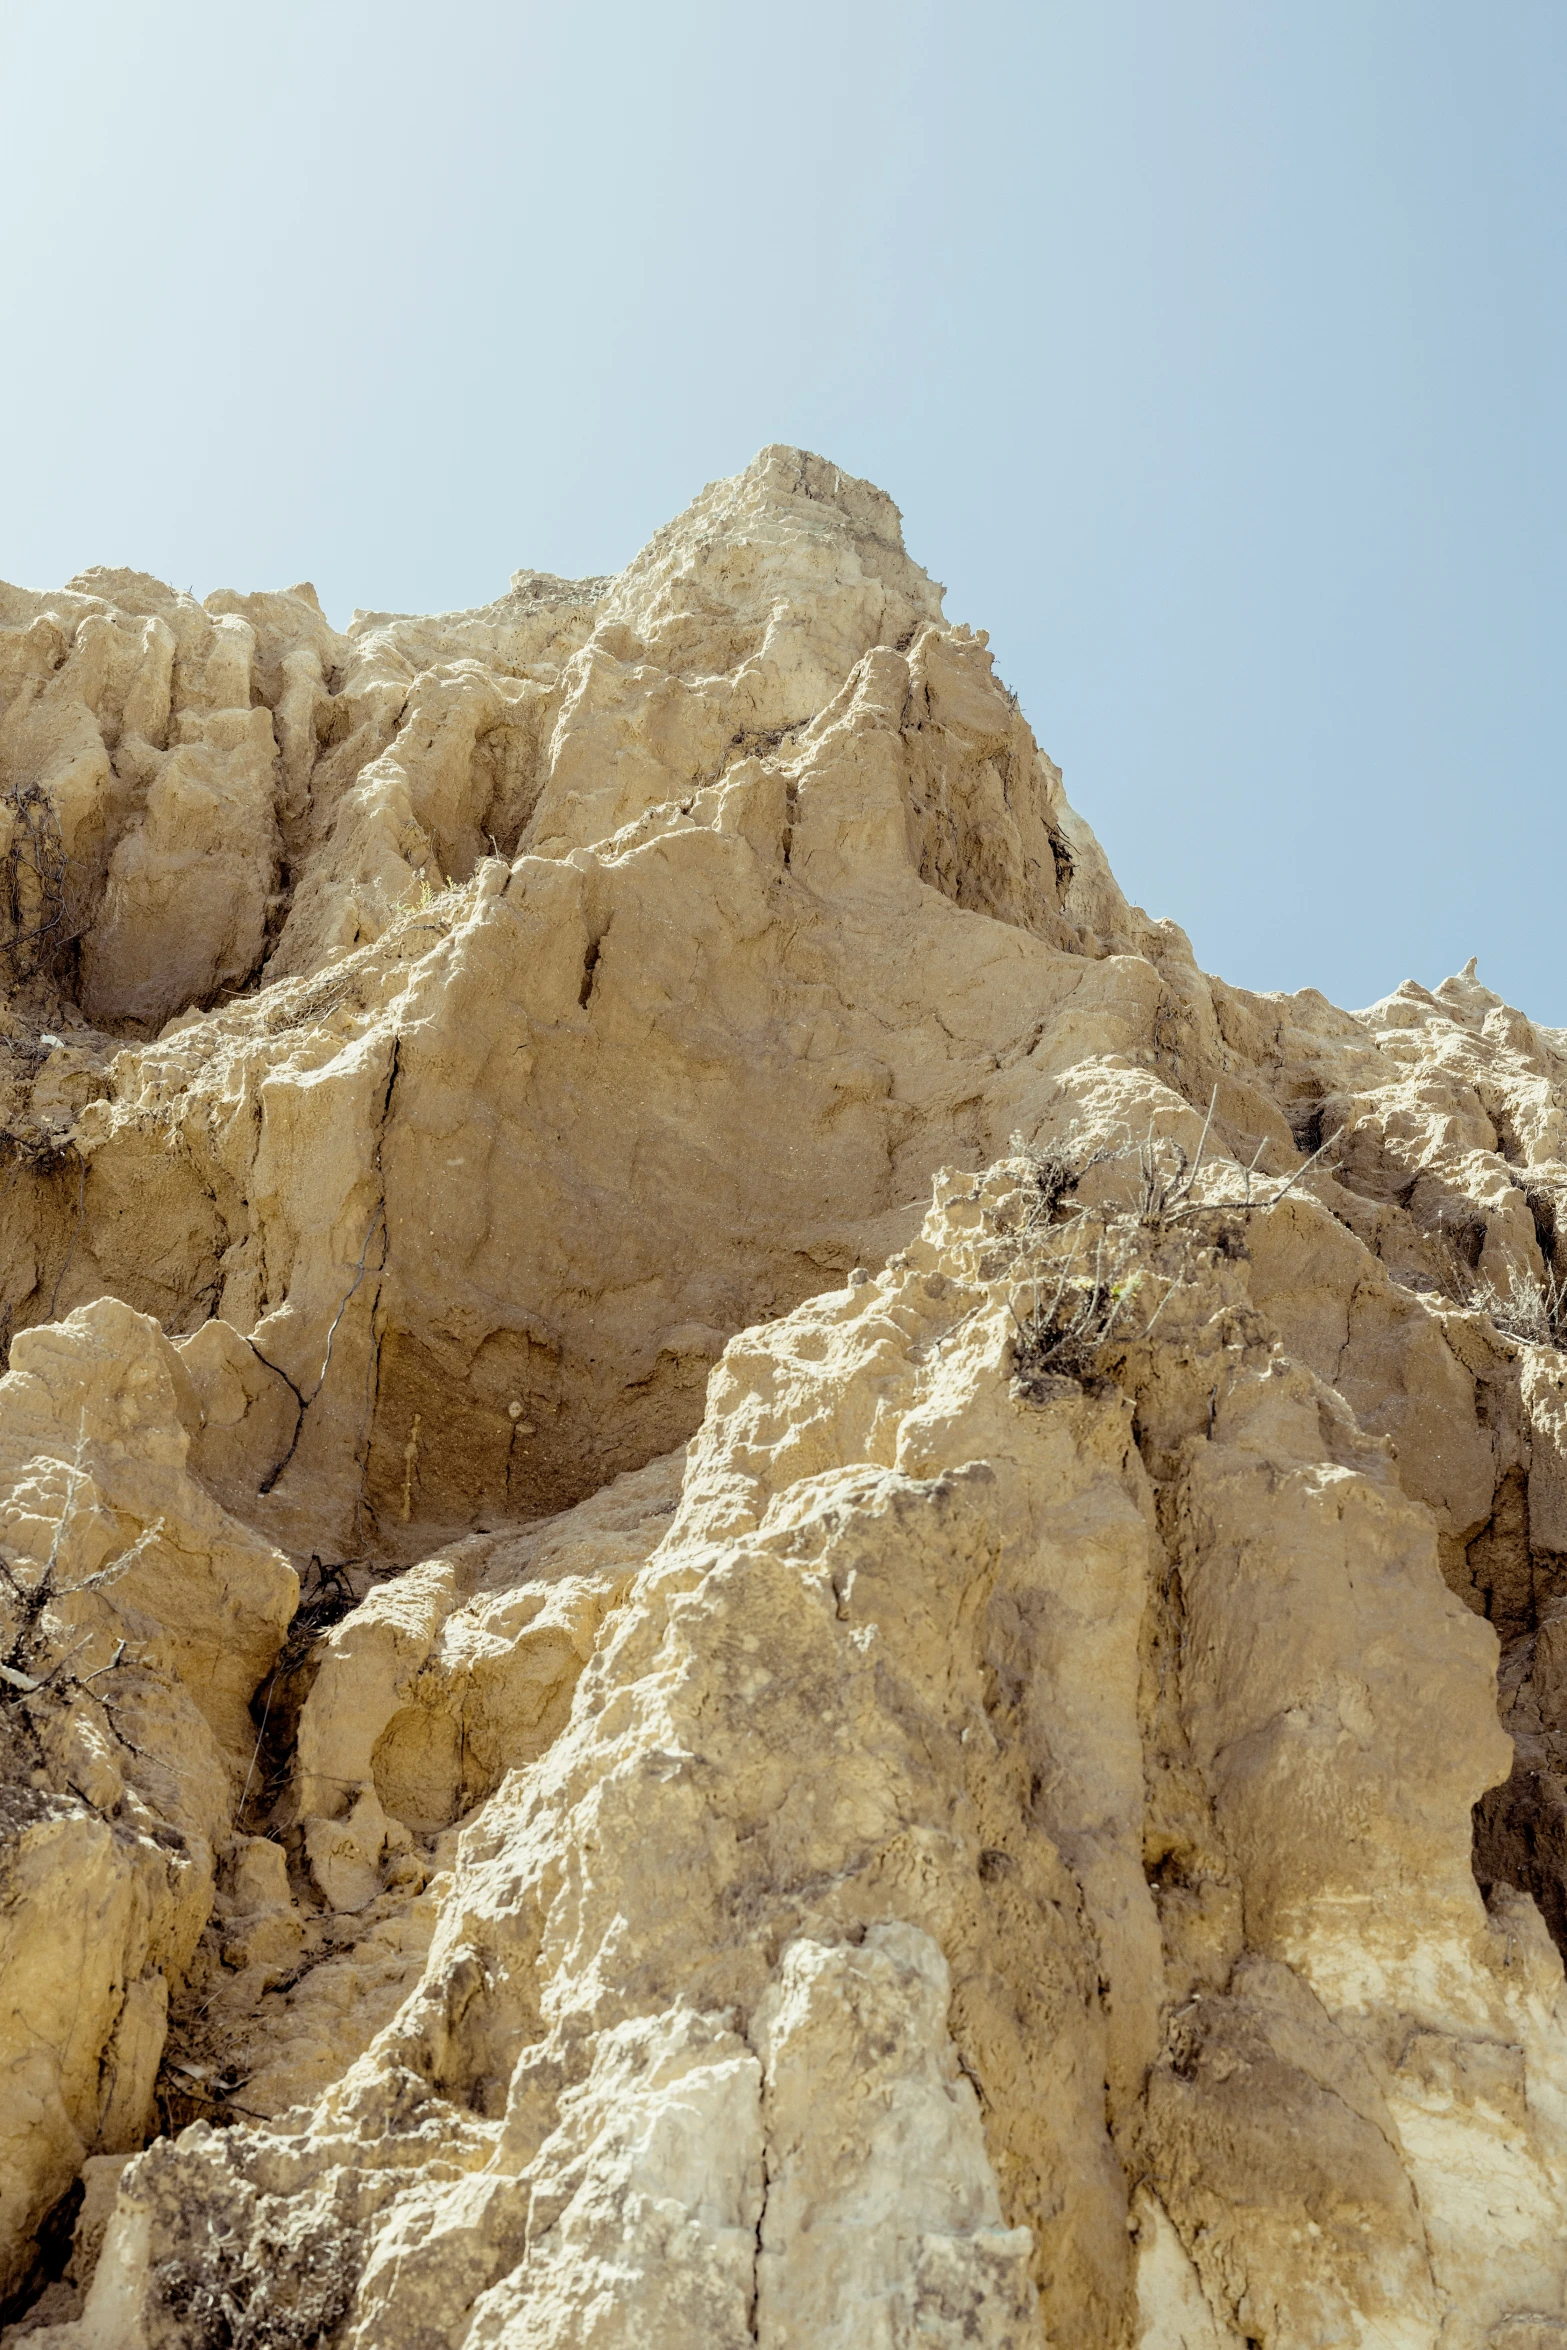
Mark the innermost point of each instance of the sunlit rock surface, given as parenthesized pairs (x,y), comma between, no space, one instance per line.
(761,1586)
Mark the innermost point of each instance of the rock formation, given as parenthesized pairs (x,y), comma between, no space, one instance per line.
(757,1586)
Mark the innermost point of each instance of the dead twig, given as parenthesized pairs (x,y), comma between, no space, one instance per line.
(29,1667)
(1165,1193)
(33,868)
(1533,1311)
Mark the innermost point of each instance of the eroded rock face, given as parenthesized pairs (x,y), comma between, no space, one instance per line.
(902,1513)
(126,1736)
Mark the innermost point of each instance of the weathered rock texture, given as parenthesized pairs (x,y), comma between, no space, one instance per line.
(753,1574)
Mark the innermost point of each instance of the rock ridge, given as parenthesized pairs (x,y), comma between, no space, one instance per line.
(758,1585)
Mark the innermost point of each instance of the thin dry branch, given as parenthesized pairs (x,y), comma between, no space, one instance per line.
(1166,1198)
(1533,1311)
(29,1668)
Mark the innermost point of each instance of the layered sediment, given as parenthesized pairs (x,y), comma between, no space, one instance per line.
(758,1585)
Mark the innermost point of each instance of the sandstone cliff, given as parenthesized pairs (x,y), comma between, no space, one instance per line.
(757,1585)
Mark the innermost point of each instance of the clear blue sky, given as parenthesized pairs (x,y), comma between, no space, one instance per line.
(1214,350)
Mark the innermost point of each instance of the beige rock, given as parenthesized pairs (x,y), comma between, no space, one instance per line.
(158,1615)
(258,1876)
(895,2226)
(216,1596)
(860,1762)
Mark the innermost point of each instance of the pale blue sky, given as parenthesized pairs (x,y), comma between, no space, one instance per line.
(1214,350)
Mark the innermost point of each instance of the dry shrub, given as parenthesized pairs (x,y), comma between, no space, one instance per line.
(1535,1311)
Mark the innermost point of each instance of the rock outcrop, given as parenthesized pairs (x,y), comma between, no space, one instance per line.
(758,1585)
